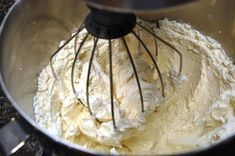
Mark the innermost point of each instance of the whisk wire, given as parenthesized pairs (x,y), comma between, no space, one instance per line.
(88,75)
(168,44)
(135,73)
(61,47)
(74,62)
(153,60)
(111,83)
(155,40)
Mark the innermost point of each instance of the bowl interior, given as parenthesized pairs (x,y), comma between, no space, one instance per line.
(32,32)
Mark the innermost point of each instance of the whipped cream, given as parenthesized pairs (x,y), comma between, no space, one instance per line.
(198,108)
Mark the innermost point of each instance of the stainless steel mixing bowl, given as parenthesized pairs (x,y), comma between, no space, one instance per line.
(33,29)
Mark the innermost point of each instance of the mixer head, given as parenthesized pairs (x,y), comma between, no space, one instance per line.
(104,24)
(135,5)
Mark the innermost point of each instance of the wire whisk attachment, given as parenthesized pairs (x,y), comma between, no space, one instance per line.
(143,26)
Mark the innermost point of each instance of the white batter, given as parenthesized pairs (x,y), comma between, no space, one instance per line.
(198,108)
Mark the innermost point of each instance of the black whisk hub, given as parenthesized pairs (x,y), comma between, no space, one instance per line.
(109,25)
